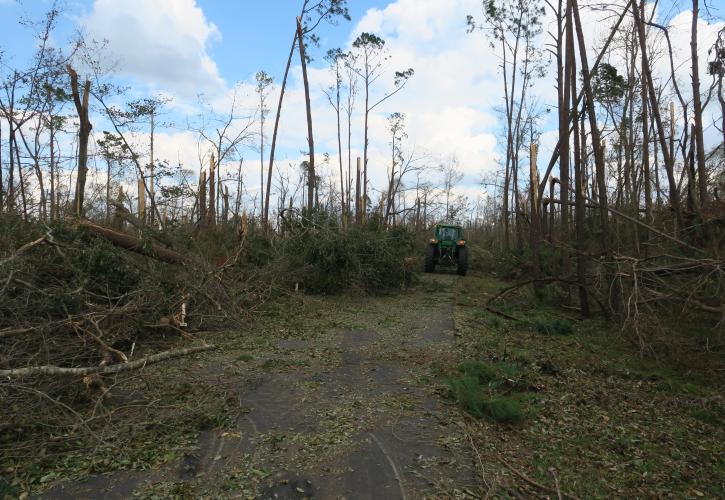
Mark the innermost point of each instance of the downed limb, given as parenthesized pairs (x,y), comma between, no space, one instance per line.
(128,242)
(501,313)
(22,250)
(103,370)
(124,214)
(508,289)
(535,483)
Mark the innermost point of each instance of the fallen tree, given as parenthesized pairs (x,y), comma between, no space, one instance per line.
(133,244)
(32,371)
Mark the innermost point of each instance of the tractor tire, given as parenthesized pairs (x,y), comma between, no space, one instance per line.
(430,259)
(462,261)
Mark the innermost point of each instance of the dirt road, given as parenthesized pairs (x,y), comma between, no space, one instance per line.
(347,411)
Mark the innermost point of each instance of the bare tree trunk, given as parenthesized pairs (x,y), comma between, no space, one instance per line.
(152,195)
(349,165)
(202,198)
(564,119)
(697,107)
(238,201)
(364,194)
(579,208)
(594,127)
(720,99)
(211,211)
(2,190)
(339,139)
(311,177)
(666,153)
(108,190)
(273,145)
(358,195)
(552,209)
(21,179)
(645,141)
(535,216)
(84,132)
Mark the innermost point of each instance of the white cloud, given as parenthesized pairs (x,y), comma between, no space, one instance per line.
(163,43)
(447,103)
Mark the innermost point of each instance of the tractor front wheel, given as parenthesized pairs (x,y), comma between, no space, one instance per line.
(462,261)
(430,259)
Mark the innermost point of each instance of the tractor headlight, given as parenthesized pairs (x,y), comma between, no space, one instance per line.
(433,240)
(461,242)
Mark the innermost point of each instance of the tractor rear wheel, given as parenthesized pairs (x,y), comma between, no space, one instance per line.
(462,261)
(430,259)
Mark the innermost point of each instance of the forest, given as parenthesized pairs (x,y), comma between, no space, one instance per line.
(222,290)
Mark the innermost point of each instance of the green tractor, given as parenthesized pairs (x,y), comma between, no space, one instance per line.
(447,248)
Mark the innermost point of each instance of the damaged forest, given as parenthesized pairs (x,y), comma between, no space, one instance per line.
(401,249)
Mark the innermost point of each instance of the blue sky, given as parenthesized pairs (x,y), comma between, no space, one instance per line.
(255,34)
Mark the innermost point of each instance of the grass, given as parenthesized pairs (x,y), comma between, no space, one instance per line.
(708,417)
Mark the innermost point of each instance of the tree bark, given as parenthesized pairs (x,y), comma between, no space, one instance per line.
(84,131)
(273,144)
(311,177)
(579,206)
(645,141)
(211,210)
(697,108)
(667,154)
(102,370)
(594,129)
(133,244)
(564,92)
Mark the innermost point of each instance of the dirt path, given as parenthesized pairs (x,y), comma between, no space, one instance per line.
(347,411)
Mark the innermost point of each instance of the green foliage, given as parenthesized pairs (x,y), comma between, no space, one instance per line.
(469,394)
(504,410)
(472,389)
(478,370)
(326,258)
(555,327)
(708,417)
(608,85)
(369,41)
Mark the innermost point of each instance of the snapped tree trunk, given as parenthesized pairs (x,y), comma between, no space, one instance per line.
(211,210)
(84,131)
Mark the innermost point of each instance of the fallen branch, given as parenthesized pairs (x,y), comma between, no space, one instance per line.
(534,483)
(550,279)
(501,313)
(22,250)
(103,370)
(136,222)
(128,242)
(110,355)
